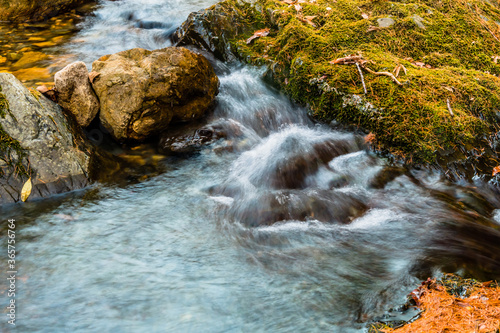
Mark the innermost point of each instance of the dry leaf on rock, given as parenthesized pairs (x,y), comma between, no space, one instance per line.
(308,20)
(257,34)
(26,190)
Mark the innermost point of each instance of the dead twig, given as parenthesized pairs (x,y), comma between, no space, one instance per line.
(349,60)
(393,78)
(361,63)
(449,107)
(362,78)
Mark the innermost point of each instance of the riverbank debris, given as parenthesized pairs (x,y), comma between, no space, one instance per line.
(454,304)
(361,62)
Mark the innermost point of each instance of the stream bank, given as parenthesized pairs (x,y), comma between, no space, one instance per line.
(441,110)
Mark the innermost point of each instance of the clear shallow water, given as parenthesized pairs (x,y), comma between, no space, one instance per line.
(284,226)
(126,24)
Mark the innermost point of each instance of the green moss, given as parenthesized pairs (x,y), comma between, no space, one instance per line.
(11,151)
(458,47)
(4,104)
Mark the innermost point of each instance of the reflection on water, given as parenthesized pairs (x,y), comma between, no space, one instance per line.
(296,228)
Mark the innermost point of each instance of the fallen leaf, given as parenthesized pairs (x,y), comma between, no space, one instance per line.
(257,34)
(365,16)
(372,28)
(26,190)
(496,170)
(298,7)
(308,20)
(370,138)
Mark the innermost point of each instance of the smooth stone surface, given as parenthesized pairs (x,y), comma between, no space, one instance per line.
(419,21)
(56,163)
(141,92)
(385,22)
(75,93)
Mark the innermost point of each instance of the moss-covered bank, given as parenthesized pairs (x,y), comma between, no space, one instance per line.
(35,10)
(447,106)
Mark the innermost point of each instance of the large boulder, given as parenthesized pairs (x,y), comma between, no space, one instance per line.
(141,92)
(75,93)
(38,141)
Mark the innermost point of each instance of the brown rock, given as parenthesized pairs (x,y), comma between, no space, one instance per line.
(75,93)
(142,91)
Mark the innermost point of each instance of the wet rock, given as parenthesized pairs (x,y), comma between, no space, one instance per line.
(212,29)
(386,176)
(141,92)
(29,58)
(75,93)
(192,140)
(291,171)
(38,141)
(30,73)
(321,205)
(14,56)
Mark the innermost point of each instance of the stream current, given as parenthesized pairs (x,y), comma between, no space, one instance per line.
(282,226)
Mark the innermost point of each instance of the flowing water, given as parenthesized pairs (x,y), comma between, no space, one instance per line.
(281,226)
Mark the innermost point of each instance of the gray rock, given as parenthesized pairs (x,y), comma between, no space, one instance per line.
(44,148)
(75,93)
(385,22)
(419,21)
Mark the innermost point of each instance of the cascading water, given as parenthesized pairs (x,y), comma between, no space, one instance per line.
(281,225)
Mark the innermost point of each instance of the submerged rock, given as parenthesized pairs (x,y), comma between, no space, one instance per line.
(141,92)
(38,141)
(288,205)
(189,140)
(28,10)
(75,93)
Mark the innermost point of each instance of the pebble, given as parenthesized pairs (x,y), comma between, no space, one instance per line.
(385,22)
(419,21)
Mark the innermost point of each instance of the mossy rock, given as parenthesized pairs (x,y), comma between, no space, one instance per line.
(38,141)
(446,110)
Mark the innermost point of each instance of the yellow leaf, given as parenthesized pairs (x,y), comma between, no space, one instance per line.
(26,191)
